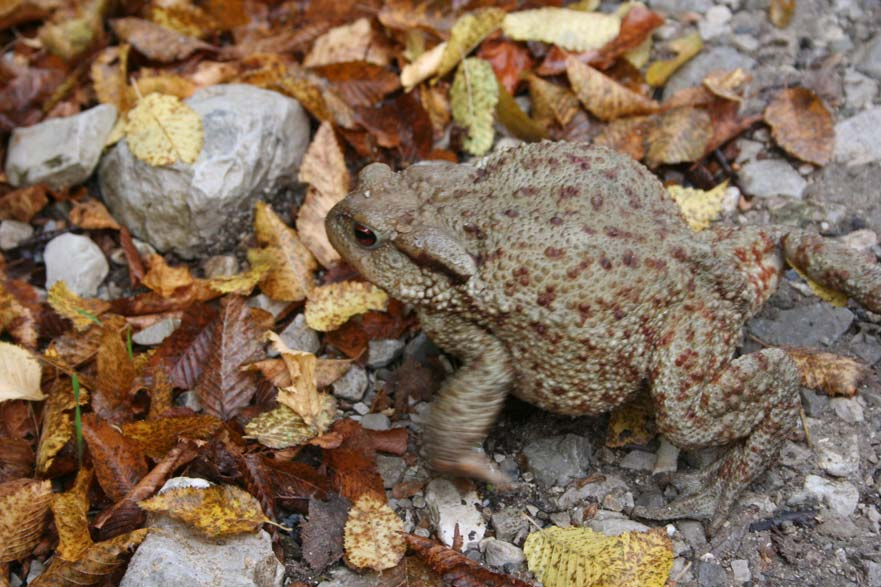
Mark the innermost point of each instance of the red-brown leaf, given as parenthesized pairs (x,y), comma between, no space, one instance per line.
(119,465)
(509,61)
(456,568)
(402,124)
(359,83)
(183,352)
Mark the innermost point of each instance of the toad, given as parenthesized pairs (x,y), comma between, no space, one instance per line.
(566,275)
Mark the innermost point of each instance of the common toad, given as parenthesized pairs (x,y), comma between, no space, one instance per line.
(566,275)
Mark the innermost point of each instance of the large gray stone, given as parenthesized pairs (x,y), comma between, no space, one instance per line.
(803,326)
(694,72)
(559,459)
(254,142)
(60,151)
(858,139)
(175,554)
(840,497)
(77,261)
(767,178)
(869,58)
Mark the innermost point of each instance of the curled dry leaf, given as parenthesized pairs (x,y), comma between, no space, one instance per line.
(350,42)
(95,564)
(20,374)
(570,29)
(165,83)
(219,510)
(627,135)
(23,507)
(802,125)
(473,100)
(82,312)
(302,394)
(423,67)
(604,97)
(728,84)
(165,279)
(685,47)
(509,61)
(162,130)
(835,375)
(515,120)
(700,207)
(289,278)
(57,427)
(157,42)
(551,102)
(680,135)
(70,512)
(633,559)
(324,168)
(24,203)
(330,306)
(109,73)
(373,536)
(92,215)
(470,29)
(456,568)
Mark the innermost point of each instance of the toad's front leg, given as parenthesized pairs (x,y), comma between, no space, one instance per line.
(469,400)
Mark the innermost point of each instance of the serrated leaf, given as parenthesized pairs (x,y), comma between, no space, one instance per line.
(678,136)
(157,437)
(551,102)
(219,510)
(685,47)
(282,427)
(604,97)
(119,464)
(802,125)
(627,135)
(20,374)
(70,512)
(23,507)
(57,428)
(330,306)
(373,535)
(97,563)
(700,207)
(467,33)
(322,532)
(289,277)
(473,100)
(355,41)
(570,29)
(580,557)
(82,312)
(162,130)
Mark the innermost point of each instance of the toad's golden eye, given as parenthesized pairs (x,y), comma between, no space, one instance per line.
(364,236)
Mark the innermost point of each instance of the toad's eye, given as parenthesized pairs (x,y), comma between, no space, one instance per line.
(364,236)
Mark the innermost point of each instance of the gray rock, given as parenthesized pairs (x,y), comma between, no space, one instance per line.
(558,459)
(500,553)
(77,261)
(352,385)
(840,496)
(178,555)
(675,7)
(710,574)
(693,532)
(220,266)
(614,524)
(859,90)
(741,572)
(561,519)
(715,22)
(868,59)
(156,333)
(841,528)
(858,138)
(848,409)
(667,458)
(597,490)
(60,151)
(804,326)
(694,72)
(35,571)
(794,455)
(768,178)
(390,468)
(340,576)
(375,421)
(838,455)
(814,402)
(264,302)
(382,352)
(873,574)
(13,232)
(639,460)
(509,524)
(448,506)
(618,500)
(254,142)
(299,337)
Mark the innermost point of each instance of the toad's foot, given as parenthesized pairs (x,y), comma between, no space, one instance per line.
(475,466)
(700,506)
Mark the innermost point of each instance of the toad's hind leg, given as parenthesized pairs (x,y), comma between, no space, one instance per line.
(704,398)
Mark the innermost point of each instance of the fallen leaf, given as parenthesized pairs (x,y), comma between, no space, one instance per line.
(184,18)
(282,427)
(20,374)
(57,428)
(322,532)
(302,394)
(628,423)
(20,311)
(23,507)
(802,125)
(515,120)
(436,102)
(109,73)
(510,61)
(685,47)
(552,102)
(96,563)
(165,83)
(216,511)
(119,465)
(24,203)
(829,295)
(680,135)
(162,130)
(92,215)
(458,569)
(182,354)
(632,559)
(112,396)
(330,306)
(401,124)
(373,535)
(780,12)
(572,30)
(604,97)
(636,29)
(71,32)
(82,312)
(359,83)
(833,374)
(165,279)
(157,42)
(423,67)
(473,100)
(627,135)
(350,42)
(727,84)
(70,511)
(700,207)
(158,436)
(289,278)
(467,33)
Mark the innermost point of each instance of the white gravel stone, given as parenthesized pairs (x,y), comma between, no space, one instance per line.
(382,352)
(767,178)
(740,570)
(60,151)
(500,553)
(848,409)
(156,333)
(77,261)
(838,455)
(715,22)
(13,232)
(299,337)
(448,506)
(858,138)
(839,496)
(352,385)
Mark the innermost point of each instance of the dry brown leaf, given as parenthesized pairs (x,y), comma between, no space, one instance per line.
(728,84)
(92,215)
(165,83)
(57,427)
(470,29)
(119,465)
(289,278)
(780,12)
(423,67)
(184,18)
(350,42)
(157,437)
(685,47)
(324,168)
(20,312)
(23,507)
(628,423)
(216,511)
(157,42)
(680,135)
(165,279)
(330,306)
(20,374)
(552,102)
(833,374)
(82,312)
(24,203)
(604,97)
(70,512)
(302,394)
(109,74)
(95,564)
(373,537)
(455,566)
(802,125)
(627,135)
(436,101)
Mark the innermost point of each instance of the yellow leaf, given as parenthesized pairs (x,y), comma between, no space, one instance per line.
(290,264)
(604,97)
(699,207)
(580,557)
(835,375)
(573,30)
(330,306)
(166,83)
(780,12)
(283,427)
(70,512)
(628,423)
(76,309)
(23,507)
(165,279)
(219,510)
(302,395)
(19,374)
(158,436)
(96,563)
(827,294)
(92,215)
(515,120)
(373,537)
(727,84)
(685,47)
(473,100)
(423,67)
(470,29)
(57,427)
(162,130)
(109,73)
(639,55)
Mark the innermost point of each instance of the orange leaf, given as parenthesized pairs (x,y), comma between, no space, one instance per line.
(97,563)
(157,437)
(119,465)
(24,203)
(802,125)
(70,512)
(23,507)
(604,97)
